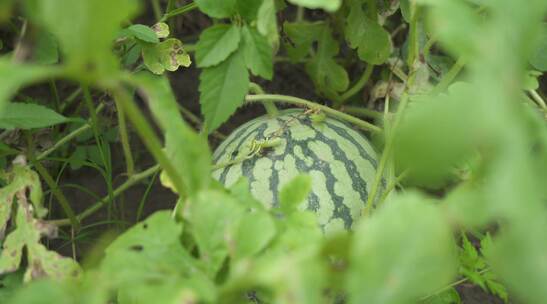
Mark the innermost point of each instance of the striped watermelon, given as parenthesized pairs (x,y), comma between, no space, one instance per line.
(339,159)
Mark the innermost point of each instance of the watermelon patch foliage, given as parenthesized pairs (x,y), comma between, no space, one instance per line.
(409,166)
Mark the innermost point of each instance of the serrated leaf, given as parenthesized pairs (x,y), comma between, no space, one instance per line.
(294,193)
(328,5)
(223,89)
(325,72)
(28,116)
(166,55)
(217,8)
(372,41)
(86,36)
(404,252)
(258,53)
(217,43)
(143,33)
(187,150)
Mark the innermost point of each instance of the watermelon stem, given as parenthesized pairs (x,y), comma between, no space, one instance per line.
(312,105)
(271,109)
(357,86)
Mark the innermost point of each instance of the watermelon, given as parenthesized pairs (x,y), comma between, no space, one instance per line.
(340,160)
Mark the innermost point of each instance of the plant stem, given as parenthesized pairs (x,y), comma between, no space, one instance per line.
(58,194)
(391,129)
(385,156)
(449,76)
(360,111)
(68,137)
(413,47)
(391,186)
(398,72)
(454,284)
(271,109)
(312,105)
(124,137)
(98,205)
(194,119)
(357,86)
(149,137)
(299,14)
(144,197)
(537,98)
(51,184)
(179,11)
(55,92)
(157,9)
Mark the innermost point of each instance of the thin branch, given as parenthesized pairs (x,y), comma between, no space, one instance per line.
(312,105)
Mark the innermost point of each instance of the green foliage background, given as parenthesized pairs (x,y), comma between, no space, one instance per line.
(477,131)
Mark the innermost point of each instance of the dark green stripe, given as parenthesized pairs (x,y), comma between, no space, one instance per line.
(362,152)
(233,137)
(259,132)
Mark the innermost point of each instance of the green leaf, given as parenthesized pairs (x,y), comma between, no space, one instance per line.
(455,23)
(143,33)
(294,193)
(46,50)
(254,232)
(518,256)
(28,231)
(539,57)
(325,72)
(188,151)
(86,37)
(166,55)
(429,153)
(217,8)
(20,180)
(42,292)
(372,41)
(217,43)
(328,5)
(248,9)
(15,76)
(258,53)
(223,89)
(449,296)
(405,9)
(266,22)
(301,36)
(404,252)
(214,217)
(161,29)
(150,247)
(28,116)
(149,264)
(10,283)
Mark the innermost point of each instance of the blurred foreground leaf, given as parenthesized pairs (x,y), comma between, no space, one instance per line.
(403,252)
